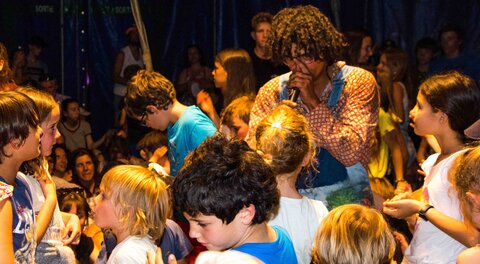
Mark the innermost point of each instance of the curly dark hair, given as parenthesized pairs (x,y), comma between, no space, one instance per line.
(221,177)
(309,29)
(148,88)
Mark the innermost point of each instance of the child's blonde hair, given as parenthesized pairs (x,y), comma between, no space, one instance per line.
(285,139)
(353,234)
(465,177)
(140,198)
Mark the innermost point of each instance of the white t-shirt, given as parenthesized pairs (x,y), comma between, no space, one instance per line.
(430,244)
(301,218)
(53,233)
(132,250)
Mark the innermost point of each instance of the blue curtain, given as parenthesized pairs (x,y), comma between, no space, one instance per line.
(93,33)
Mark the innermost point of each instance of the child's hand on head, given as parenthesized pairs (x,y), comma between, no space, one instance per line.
(158,154)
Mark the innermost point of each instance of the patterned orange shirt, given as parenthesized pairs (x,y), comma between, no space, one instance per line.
(344,130)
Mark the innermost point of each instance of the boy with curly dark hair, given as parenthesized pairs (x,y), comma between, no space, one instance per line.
(228,193)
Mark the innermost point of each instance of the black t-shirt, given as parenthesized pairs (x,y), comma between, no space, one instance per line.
(265,70)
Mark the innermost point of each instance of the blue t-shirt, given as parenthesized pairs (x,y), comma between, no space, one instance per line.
(23,222)
(174,241)
(466,64)
(190,130)
(277,252)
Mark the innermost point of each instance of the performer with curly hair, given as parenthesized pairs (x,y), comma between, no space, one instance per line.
(340,102)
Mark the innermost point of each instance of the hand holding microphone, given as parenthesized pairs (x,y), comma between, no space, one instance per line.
(294,93)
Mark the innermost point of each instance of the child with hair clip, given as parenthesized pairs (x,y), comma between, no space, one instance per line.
(285,141)
(447,104)
(134,203)
(50,222)
(19,141)
(353,234)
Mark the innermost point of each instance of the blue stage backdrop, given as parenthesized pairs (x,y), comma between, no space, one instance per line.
(85,35)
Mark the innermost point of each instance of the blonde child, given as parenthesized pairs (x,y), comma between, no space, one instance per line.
(286,143)
(353,234)
(19,141)
(134,203)
(447,104)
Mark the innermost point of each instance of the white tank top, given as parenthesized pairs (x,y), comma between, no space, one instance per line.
(128,59)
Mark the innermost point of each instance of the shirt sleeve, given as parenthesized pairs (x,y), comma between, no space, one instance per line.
(6,191)
(87,129)
(345,130)
(200,132)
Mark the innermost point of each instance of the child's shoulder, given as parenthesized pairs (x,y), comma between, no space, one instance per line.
(132,250)
(471,255)
(195,119)
(6,190)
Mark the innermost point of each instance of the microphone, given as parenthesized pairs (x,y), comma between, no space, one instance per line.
(294,94)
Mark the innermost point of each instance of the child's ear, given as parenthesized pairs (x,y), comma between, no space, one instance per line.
(143,154)
(475,198)
(306,160)
(15,143)
(444,118)
(247,214)
(151,108)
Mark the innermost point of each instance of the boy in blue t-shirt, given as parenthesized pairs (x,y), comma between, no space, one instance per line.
(151,99)
(228,194)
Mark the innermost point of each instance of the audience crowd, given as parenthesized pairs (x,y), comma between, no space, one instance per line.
(316,146)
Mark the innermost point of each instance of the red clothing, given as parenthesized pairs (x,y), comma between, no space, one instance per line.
(346,129)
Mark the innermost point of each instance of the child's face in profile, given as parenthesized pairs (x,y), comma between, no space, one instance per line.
(425,120)
(104,212)
(212,233)
(240,128)
(50,132)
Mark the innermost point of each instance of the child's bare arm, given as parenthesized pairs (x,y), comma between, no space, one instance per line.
(73,229)
(46,212)
(458,230)
(6,235)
